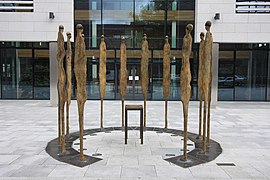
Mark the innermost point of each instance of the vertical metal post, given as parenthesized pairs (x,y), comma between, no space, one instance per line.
(214,88)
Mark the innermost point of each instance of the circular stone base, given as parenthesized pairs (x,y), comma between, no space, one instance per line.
(161,146)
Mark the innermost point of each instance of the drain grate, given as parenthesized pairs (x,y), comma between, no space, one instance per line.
(189,144)
(83,149)
(108,132)
(225,164)
(174,135)
(76,144)
(93,134)
(97,154)
(169,154)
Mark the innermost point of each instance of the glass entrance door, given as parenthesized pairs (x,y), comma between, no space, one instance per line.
(134,89)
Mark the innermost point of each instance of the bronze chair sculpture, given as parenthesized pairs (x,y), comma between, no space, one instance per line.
(61,86)
(185,78)
(166,76)
(123,75)
(144,73)
(102,76)
(69,79)
(80,73)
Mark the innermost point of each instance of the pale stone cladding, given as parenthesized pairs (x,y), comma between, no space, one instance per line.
(37,26)
(232,27)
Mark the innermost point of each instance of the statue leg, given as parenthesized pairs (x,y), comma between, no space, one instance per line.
(144,113)
(123,111)
(185,108)
(59,122)
(62,107)
(200,116)
(166,113)
(208,117)
(67,117)
(101,113)
(81,111)
(204,121)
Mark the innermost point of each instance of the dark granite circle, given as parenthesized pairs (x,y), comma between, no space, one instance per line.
(195,157)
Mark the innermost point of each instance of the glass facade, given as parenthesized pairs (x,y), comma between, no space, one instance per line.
(132,19)
(244,69)
(24,70)
(244,72)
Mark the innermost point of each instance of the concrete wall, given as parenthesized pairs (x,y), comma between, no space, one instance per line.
(232,27)
(36,26)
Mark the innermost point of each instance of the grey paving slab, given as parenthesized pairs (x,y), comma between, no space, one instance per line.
(242,129)
(68,171)
(172,172)
(138,171)
(33,171)
(7,159)
(104,171)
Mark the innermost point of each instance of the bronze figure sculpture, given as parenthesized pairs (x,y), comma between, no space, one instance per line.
(69,79)
(166,76)
(185,79)
(80,61)
(102,76)
(61,86)
(144,73)
(123,75)
(207,77)
(200,81)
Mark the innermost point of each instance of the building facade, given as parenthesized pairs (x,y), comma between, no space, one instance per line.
(241,32)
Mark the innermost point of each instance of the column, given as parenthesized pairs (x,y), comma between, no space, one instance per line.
(53,74)
(215,59)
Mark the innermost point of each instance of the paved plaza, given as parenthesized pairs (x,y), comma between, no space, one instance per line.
(241,128)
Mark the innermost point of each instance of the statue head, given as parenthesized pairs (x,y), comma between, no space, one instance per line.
(102,37)
(189,28)
(79,28)
(144,37)
(123,39)
(61,28)
(202,35)
(68,35)
(166,39)
(208,25)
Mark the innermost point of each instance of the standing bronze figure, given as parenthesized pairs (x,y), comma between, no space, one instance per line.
(102,76)
(80,73)
(207,77)
(144,73)
(69,79)
(123,75)
(166,76)
(200,81)
(185,79)
(61,86)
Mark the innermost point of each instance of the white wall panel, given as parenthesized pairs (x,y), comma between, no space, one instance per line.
(232,27)
(36,26)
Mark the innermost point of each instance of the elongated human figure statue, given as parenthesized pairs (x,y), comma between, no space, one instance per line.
(80,74)
(61,86)
(200,81)
(207,77)
(123,75)
(166,76)
(185,78)
(102,76)
(144,73)
(69,79)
